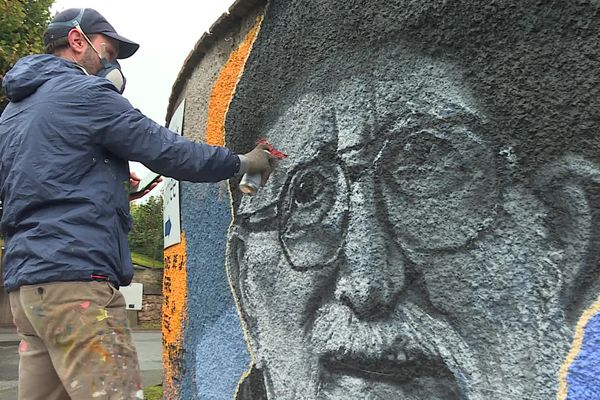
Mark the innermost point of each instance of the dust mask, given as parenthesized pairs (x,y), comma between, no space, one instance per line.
(110,71)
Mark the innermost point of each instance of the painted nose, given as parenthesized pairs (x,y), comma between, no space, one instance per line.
(372,271)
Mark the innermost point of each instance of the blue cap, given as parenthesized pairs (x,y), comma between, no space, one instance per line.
(90,21)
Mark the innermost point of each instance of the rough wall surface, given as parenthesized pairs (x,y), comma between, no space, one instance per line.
(216,355)
(209,355)
(151,278)
(434,232)
(174,316)
(151,312)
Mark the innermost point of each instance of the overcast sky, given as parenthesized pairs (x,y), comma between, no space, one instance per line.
(166,31)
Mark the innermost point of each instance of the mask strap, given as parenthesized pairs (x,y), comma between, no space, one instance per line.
(72,23)
(75,23)
(87,39)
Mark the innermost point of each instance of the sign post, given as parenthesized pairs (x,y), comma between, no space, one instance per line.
(171,211)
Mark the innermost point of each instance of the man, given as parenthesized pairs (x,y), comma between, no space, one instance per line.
(395,256)
(65,141)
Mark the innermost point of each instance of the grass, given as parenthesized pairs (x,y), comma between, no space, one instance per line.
(153,392)
(150,325)
(143,260)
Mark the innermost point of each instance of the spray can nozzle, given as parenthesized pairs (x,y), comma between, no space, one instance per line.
(250,183)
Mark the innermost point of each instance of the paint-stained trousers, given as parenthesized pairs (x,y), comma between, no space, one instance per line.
(75,342)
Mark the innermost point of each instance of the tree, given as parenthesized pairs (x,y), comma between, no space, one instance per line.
(22,24)
(146,236)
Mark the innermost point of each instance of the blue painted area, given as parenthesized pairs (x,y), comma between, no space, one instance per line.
(584,373)
(215,351)
(213,356)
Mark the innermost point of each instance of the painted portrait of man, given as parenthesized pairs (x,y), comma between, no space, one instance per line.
(403,251)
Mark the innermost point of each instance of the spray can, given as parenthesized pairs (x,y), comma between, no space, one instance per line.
(250,183)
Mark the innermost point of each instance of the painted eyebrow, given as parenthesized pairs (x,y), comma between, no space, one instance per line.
(416,121)
(426,120)
(429,120)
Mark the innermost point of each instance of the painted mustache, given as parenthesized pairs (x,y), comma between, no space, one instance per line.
(409,345)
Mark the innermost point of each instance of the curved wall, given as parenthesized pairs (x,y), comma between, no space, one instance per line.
(204,350)
(433,234)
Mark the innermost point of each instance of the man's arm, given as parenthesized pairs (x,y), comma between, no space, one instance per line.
(127,133)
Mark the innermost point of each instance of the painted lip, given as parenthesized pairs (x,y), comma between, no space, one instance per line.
(408,346)
(395,368)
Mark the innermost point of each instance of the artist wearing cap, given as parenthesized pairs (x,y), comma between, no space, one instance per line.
(65,141)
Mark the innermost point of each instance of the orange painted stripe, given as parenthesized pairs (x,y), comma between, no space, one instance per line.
(174,311)
(224,88)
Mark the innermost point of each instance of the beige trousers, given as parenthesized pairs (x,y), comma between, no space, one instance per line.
(75,343)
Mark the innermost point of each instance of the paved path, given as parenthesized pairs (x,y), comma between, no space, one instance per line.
(148,344)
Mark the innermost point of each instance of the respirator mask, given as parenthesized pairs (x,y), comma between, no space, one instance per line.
(110,70)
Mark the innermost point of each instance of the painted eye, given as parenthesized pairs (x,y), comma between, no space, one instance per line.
(439,186)
(310,187)
(427,164)
(422,154)
(313,214)
(311,194)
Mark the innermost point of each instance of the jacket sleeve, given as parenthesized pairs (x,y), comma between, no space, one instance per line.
(127,133)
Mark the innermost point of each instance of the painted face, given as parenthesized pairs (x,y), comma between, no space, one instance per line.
(383,261)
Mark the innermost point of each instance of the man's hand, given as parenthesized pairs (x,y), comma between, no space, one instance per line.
(260,161)
(134,180)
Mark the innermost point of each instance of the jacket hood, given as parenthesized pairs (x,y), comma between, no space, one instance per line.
(31,72)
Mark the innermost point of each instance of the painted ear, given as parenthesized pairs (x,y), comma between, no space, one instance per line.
(571,189)
(233,254)
(236,274)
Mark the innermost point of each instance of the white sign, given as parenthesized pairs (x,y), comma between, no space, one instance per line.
(171,212)
(133,295)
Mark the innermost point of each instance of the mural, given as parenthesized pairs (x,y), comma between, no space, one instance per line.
(224,88)
(218,355)
(204,350)
(433,233)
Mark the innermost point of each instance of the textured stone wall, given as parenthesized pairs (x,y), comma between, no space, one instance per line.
(151,310)
(434,232)
(204,349)
(152,297)
(151,278)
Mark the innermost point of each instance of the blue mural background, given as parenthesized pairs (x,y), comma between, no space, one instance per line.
(583,378)
(216,354)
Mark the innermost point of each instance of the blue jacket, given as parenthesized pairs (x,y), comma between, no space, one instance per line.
(65,138)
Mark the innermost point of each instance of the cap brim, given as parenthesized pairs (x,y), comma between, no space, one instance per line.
(126,47)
